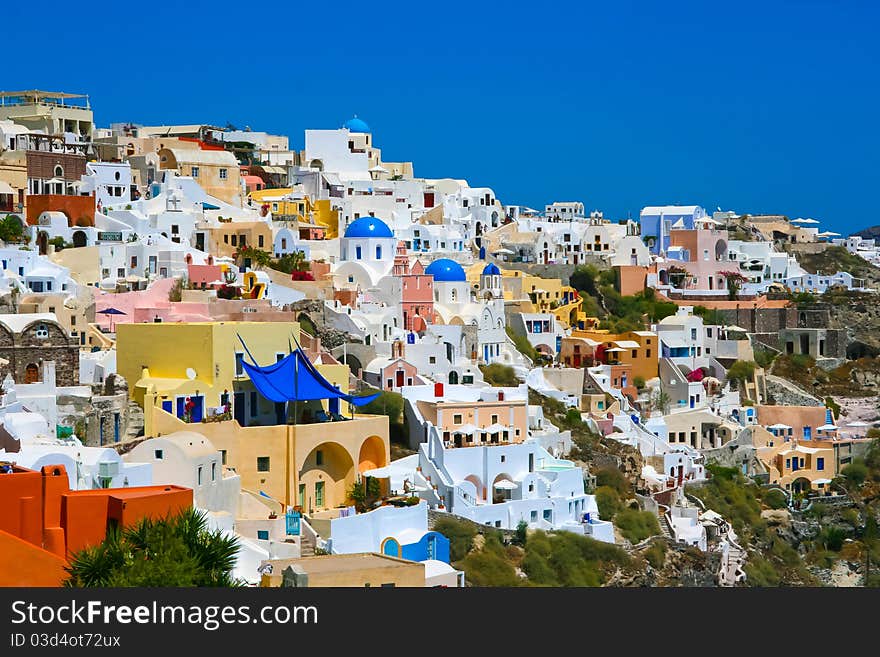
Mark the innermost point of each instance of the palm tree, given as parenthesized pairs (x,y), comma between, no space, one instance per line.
(178,550)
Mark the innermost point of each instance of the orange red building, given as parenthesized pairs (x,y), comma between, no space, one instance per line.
(43,522)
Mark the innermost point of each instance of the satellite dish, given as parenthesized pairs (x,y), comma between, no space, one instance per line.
(190,373)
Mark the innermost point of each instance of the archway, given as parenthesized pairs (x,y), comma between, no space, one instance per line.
(501,492)
(478,484)
(354,364)
(372,454)
(664,277)
(80,239)
(453,377)
(326,475)
(391,547)
(720,251)
(801,485)
(43,242)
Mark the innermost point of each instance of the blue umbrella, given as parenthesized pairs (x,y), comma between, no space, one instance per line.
(111,311)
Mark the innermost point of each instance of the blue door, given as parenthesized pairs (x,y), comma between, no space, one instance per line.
(808,433)
(167,405)
(116,427)
(198,409)
(181,407)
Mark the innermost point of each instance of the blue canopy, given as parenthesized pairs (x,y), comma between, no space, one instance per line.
(295,378)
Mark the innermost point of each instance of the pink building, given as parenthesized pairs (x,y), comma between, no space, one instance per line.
(703,256)
(417,291)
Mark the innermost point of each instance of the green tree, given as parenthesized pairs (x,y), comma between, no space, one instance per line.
(364,493)
(741,371)
(176,551)
(11,228)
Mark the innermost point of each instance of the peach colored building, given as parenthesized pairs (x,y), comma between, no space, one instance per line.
(803,422)
(469,423)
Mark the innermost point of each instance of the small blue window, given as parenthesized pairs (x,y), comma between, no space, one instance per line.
(263,534)
(820,463)
(357,253)
(378,253)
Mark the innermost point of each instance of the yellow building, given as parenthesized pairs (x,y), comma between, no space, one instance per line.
(283,452)
(535,294)
(287,204)
(217,172)
(636,348)
(363,569)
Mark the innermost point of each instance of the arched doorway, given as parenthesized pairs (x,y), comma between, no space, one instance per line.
(390,547)
(478,485)
(43,242)
(801,485)
(80,239)
(453,377)
(372,454)
(32,373)
(327,474)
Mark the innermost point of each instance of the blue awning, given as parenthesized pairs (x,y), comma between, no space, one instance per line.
(295,378)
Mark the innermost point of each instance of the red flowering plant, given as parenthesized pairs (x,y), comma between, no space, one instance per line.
(734,281)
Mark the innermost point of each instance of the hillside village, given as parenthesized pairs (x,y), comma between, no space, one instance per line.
(360,377)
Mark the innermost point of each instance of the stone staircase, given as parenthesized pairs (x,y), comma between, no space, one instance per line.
(307,545)
(665,528)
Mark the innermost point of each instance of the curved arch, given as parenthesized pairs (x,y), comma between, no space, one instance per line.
(720,250)
(79,238)
(478,484)
(327,474)
(390,547)
(372,454)
(316,164)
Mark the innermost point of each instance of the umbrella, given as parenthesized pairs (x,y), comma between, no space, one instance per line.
(503,252)
(209,206)
(505,484)
(110,311)
(805,221)
(827,427)
(779,426)
(735,328)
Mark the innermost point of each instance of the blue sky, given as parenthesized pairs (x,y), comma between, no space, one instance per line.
(751,106)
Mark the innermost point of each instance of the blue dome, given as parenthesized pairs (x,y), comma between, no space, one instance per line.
(446,271)
(356,125)
(368,227)
(491,270)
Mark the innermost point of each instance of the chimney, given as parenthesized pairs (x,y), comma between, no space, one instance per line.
(438,389)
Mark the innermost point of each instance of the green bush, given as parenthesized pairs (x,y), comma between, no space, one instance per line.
(608,501)
(832,538)
(391,404)
(568,559)
(613,478)
(498,374)
(489,566)
(775,499)
(639,382)
(460,534)
(636,525)
(656,554)
(741,370)
(760,572)
(855,473)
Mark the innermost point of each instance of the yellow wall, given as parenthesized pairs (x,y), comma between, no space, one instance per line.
(167,350)
(644,363)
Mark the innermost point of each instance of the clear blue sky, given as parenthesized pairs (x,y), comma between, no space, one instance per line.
(753,106)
